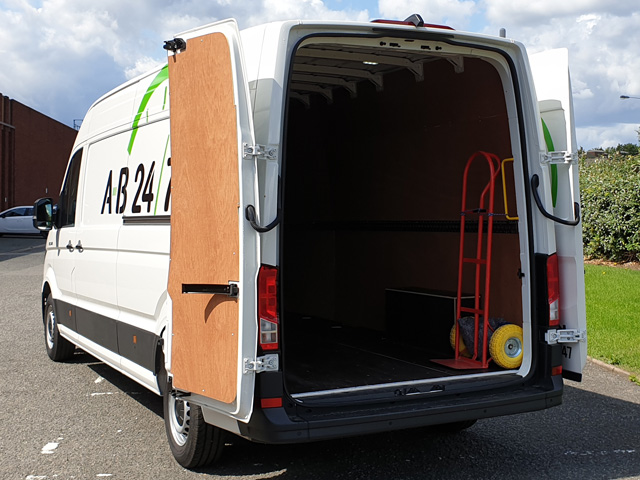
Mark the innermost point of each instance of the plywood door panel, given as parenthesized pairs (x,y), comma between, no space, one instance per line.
(204,218)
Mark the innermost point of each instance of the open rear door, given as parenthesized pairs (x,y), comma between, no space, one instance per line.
(211,253)
(550,71)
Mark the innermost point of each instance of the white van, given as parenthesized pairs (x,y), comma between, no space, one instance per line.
(283,254)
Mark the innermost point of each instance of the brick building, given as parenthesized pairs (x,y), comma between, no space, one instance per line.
(34,150)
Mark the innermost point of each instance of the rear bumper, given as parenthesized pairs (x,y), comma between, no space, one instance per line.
(277,425)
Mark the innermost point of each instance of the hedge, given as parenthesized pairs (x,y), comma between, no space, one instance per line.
(610,197)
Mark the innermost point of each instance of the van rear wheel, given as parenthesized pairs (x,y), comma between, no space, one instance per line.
(454,427)
(193,442)
(58,348)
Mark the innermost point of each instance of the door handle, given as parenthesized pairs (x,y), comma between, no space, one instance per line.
(79,246)
(535,181)
(231,290)
(70,246)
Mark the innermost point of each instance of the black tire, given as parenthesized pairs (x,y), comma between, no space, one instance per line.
(454,427)
(193,442)
(58,348)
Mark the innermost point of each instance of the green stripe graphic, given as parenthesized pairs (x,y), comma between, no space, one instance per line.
(161,77)
(554,168)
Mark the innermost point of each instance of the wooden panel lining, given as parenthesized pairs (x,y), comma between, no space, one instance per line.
(204,220)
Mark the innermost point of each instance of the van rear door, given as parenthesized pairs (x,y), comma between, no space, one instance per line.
(213,257)
(550,70)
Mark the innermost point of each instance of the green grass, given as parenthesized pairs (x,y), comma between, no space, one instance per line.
(613,315)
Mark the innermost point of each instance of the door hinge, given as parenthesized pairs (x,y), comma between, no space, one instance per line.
(259,151)
(559,158)
(565,336)
(268,363)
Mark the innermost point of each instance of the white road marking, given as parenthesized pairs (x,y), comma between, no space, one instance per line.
(601,453)
(49,448)
(98,394)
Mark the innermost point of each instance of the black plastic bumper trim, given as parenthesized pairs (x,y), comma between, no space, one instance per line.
(274,425)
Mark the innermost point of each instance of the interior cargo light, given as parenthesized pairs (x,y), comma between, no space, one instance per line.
(268,307)
(553,290)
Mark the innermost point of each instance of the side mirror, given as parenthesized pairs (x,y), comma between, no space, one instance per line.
(43,214)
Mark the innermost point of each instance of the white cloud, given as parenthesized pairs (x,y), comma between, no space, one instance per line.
(60,55)
(456,13)
(64,54)
(141,66)
(588,22)
(604,136)
(272,10)
(601,38)
(515,13)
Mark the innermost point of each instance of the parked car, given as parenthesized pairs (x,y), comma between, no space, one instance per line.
(18,221)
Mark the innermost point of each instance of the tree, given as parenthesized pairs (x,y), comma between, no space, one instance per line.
(627,148)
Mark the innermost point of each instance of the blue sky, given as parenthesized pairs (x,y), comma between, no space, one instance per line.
(61,55)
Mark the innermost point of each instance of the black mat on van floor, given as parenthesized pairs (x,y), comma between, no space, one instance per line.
(328,357)
(312,368)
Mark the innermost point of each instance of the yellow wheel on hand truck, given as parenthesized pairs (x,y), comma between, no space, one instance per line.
(461,346)
(505,346)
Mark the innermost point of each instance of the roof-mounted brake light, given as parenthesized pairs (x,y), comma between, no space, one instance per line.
(414,20)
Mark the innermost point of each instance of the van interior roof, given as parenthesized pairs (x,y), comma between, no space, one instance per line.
(320,68)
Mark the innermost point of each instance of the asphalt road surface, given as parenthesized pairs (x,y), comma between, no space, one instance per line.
(82,420)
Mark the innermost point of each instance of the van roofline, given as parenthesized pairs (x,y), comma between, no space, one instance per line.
(288,24)
(129,82)
(380,26)
(333,27)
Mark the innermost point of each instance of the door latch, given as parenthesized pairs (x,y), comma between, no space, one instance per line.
(231,290)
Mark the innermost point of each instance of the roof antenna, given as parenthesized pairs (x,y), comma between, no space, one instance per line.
(416,20)
(503,32)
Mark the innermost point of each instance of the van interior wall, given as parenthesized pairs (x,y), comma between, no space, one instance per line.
(365,175)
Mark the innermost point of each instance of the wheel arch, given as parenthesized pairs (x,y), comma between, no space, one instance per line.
(159,368)
(46,291)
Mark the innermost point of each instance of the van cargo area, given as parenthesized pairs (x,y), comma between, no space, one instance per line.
(376,144)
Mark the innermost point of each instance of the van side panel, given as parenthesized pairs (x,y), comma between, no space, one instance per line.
(121,275)
(95,273)
(143,244)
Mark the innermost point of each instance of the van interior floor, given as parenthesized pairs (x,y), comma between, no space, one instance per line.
(323,356)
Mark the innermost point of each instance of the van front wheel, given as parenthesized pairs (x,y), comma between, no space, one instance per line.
(193,442)
(58,348)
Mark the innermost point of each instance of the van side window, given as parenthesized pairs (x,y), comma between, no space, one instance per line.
(69,194)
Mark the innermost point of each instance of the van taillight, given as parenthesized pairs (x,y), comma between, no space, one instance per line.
(553,290)
(268,307)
